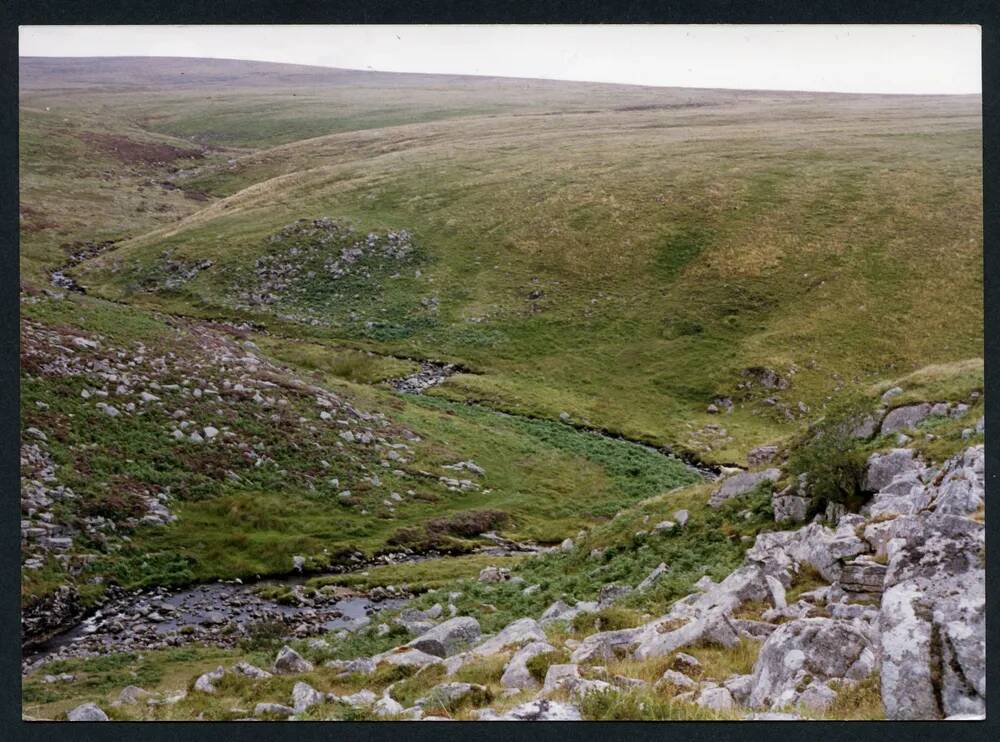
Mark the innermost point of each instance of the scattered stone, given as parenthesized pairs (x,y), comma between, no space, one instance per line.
(205,682)
(132,694)
(87,712)
(685,662)
(273,709)
(741,484)
(516,674)
(448,637)
(905,418)
(522,631)
(653,577)
(494,574)
(560,677)
(716,699)
(607,645)
(450,695)
(671,679)
(541,709)
(760,455)
(610,593)
(305,696)
(361,699)
(289,662)
(251,671)
(889,394)
(407,656)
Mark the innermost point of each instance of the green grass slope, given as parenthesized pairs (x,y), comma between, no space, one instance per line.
(627,267)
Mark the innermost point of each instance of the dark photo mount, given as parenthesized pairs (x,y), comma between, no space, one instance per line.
(327,383)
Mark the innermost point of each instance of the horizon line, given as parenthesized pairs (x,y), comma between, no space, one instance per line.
(500,77)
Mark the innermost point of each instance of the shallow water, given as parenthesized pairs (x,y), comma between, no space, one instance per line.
(159,613)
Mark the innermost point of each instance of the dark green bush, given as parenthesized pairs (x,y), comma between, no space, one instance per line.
(833,458)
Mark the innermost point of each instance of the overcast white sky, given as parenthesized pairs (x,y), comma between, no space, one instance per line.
(875,59)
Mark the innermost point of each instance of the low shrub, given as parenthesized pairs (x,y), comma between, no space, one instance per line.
(833,458)
(539,665)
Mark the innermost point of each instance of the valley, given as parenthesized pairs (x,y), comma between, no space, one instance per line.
(392,383)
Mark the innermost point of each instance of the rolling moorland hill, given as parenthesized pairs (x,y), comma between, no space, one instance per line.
(343,324)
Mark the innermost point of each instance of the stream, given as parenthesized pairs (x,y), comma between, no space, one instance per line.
(84,251)
(219,613)
(225,612)
(222,613)
(433,373)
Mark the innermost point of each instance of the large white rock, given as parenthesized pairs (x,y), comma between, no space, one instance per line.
(782,553)
(87,712)
(406,656)
(560,611)
(607,645)
(740,687)
(250,671)
(960,489)
(289,662)
(807,650)
(713,628)
(904,418)
(540,709)
(676,681)
(360,699)
(716,699)
(304,696)
(516,634)
(560,677)
(206,682)
(387,706)
(131,695)
(448,637)
(932,620)
(882,468)
(741,484)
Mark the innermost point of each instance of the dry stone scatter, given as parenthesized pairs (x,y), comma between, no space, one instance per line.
(902,601)
(896,601)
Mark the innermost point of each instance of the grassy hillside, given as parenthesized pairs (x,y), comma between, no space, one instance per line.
(246,253)
(627,267)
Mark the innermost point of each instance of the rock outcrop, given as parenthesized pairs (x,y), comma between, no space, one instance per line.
(741,484)
(801,656)
(896,597)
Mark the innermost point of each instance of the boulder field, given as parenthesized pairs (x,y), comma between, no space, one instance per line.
(897,595)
